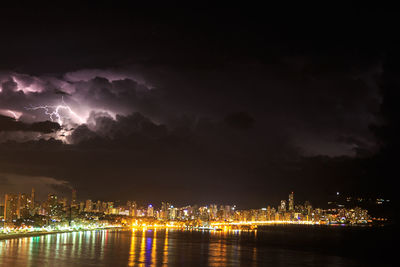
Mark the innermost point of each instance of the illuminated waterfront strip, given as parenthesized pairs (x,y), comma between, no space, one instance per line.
(6,233)
(262,223)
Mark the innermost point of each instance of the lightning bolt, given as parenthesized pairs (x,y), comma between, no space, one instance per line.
(13,113)
(54,112)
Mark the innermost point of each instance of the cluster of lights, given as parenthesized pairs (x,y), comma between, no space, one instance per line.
(58,228)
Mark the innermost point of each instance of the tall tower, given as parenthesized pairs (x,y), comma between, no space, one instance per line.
(73,198)
(291,201)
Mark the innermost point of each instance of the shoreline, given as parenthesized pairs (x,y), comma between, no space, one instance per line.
(38,233)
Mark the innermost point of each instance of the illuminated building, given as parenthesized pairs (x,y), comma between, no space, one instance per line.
(54,208)
(150,211)
(24,204)
(213,211)
(10,207)
(227,212)
(73,198)
(1,211)
(110,206)
(172,213)
(97,206)
(291,201)
(268,213)
(104,207)
(132,206)
(81,207)
(283,206)
(63,203)
(308,208)
(203,214)
(165,210)
(88,206)
(33,199)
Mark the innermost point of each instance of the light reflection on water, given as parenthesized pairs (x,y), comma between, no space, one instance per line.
(156,247)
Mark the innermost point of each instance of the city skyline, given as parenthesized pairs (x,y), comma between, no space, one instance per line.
(22,206)
(72,195)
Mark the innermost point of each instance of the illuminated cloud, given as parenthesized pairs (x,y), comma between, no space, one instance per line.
(69,100)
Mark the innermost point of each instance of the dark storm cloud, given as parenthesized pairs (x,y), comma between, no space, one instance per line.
(311,108)
(10,124)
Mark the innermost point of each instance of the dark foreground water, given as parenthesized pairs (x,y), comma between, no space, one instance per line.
(270,246)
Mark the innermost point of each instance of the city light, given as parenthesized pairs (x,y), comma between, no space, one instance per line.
(23,214)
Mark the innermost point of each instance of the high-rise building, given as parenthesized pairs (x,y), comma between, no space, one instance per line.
(227,212)
(132,207)
(97,206)
(1,211)
(308,207)
(10,207)
(23,206)
(282,207)
(213,211)
(89,205)
(172,213)
(110,207)
(64,203)
(73,198)
(150,211)
(81,207)
(291,201)
(165,210)
(53,206)
(104,207)
(269,213)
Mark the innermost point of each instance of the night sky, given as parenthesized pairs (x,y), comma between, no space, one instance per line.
(213,104)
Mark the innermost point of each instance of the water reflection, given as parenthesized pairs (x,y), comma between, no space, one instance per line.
(165,249)
(142,247)
(132,250)
(154,248)
(147,247)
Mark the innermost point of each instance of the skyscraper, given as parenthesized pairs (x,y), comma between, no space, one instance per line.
(89,205)
(10,207)
(165,210)
(291,201)
(150,211)
(73,198)
(81,207)
(23,206)
(52,205)
(283,206)
(132,206)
